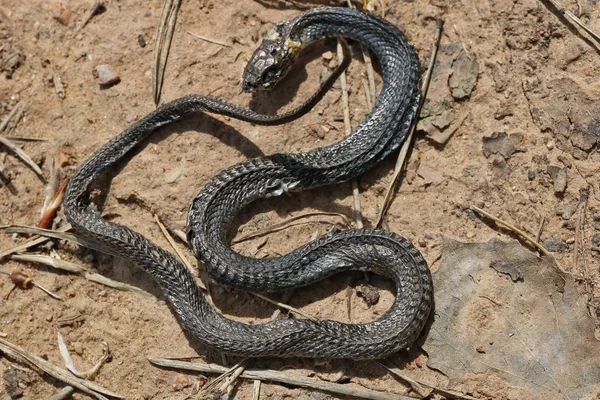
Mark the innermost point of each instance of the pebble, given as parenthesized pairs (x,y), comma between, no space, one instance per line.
(78,348)
(555,244)
(328,55)
(107,75)
(559,178)
(62,15)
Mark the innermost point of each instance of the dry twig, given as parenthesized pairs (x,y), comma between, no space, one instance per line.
(13,147)
(408,141)
(289,223)
(63,393)
(521,233)
(30,243)
(176,248)
(348,130)
(417,384)
(289,308)
(60,374)
(288,379)
(575,19)
(209,40)
(96,9)
(164,35)
(256,390)
(52,207)
(90,373)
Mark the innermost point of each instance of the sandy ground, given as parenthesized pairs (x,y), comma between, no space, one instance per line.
(534,78)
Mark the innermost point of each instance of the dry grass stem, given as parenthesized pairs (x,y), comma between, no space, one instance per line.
(10,116)
(78,269)
(256,390)
(63,393)
(56,234)
(98,5)
(288,379)
(169,238)
(521,233)
(288,223)
(387,200)
(538,235)
(164,35)
(102,280)
(212,385)
(50,261)
(289,308)
(228,384)
(66,355)
(22,155)
(39,364)
(30,243)
(417,385)
(348,130)
(49,293)
(209,40)
(575,19)
(50,210)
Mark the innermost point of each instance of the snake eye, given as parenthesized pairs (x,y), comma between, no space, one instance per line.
(269,75)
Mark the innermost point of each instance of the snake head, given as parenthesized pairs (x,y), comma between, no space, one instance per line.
(271,61)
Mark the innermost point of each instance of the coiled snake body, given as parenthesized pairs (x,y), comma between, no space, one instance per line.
(227,193)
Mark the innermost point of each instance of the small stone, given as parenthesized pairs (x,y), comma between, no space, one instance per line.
(107,75)
(369,293)
(480,349)
(328,55)
(559,178)
(565,161)
(531,175)
(61,14)
(141,41)
(555,244)
(550,144)
(78,348)
(49,318)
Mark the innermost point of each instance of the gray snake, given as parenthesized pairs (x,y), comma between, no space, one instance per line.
(211,212)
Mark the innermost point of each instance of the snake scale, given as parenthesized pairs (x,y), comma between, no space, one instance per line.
(211,212)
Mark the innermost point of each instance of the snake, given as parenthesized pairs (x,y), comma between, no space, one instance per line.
(212,211)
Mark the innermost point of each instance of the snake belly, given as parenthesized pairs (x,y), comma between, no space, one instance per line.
(211,212)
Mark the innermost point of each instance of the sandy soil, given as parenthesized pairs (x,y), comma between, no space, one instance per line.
(536,80)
